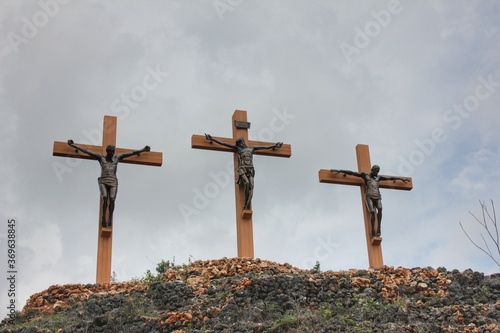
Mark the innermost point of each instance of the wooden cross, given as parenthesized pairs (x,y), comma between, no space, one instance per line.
(105,235)
(244,229)
(364,165)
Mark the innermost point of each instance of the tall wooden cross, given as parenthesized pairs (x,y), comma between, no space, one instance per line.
(373,243)
(105,235)
(244,229)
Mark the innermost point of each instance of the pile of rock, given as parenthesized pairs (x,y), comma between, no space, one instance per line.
(253,295)
(57,297)
(214,269)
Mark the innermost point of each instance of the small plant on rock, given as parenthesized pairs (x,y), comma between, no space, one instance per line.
(161,268)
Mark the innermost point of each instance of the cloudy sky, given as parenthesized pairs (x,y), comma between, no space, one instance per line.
(419,82)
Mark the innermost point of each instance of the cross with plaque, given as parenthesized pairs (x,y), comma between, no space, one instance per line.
(243,150)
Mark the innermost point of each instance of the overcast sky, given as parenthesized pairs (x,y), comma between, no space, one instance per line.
(418,81)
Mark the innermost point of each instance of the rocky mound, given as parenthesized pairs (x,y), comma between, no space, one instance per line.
(243,295)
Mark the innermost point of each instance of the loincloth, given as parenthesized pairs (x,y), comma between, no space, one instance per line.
(108,181)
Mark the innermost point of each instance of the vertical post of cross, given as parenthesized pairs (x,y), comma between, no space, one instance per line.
(244,222)
(373,244)
(105,235)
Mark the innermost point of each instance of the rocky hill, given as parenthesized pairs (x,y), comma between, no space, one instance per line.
(243,295)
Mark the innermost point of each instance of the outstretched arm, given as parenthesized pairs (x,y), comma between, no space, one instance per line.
(348,172)
(276,145)
(404,179)
(222,143)
(132,153)
(84,150)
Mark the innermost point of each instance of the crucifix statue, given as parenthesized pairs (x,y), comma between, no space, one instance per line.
(369,181)
(373,198)
(108,182)
(244,171)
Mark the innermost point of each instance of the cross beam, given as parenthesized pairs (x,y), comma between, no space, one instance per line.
(105,235)
(364,165)
(244,229)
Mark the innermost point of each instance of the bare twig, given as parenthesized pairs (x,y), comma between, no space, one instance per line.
(489,223)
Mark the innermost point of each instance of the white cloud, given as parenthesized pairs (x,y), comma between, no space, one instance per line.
(261,57)
(472,181)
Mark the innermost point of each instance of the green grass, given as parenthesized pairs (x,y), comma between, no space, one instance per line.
(284,323)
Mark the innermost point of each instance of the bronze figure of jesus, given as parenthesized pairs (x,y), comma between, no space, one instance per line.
(373,198)
(108,183)
(246,171)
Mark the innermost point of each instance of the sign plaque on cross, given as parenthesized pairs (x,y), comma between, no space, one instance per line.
(243,193)
(373,241)
(105,233)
